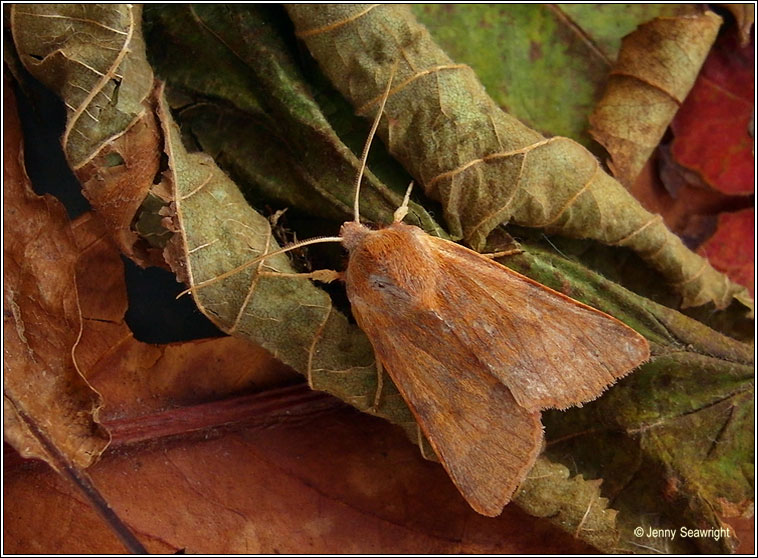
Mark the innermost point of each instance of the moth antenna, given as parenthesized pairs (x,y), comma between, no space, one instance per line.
(367,146)
(402,211)
(262,257)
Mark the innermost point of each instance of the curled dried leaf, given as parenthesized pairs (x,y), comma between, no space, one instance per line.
(656,68)
(517,48)
(93,57)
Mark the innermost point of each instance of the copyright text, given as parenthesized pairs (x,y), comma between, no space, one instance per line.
(683,532)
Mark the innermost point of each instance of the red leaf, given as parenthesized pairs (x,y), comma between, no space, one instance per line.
(303,478)
(712,127)
(731,249)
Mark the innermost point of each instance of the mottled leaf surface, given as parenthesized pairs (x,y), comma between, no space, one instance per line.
(546,64)
(684,421)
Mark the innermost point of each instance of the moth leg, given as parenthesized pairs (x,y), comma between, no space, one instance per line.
(323,275)
(379,384)
(427,451)
(402,211)
(503,253)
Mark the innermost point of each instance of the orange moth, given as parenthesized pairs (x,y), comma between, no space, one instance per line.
(475,349)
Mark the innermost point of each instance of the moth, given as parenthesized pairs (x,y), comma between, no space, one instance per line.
(476,349)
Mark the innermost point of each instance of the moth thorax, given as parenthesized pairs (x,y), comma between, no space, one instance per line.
(353,235)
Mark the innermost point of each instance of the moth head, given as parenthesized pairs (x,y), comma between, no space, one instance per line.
(353,235)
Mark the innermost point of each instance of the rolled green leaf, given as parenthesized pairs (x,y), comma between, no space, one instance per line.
(484,166)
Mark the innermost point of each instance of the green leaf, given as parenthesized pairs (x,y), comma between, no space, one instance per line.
(546,64)
(681,426)
(275,140)
(93,57)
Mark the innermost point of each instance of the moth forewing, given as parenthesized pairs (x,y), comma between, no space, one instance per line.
(550,350)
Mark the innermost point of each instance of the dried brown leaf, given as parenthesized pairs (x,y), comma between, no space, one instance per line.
(136,378)
(332,481)
(42,385)
(656,68)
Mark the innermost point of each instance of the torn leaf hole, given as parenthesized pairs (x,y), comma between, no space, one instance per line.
(113,159)
(116,89)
